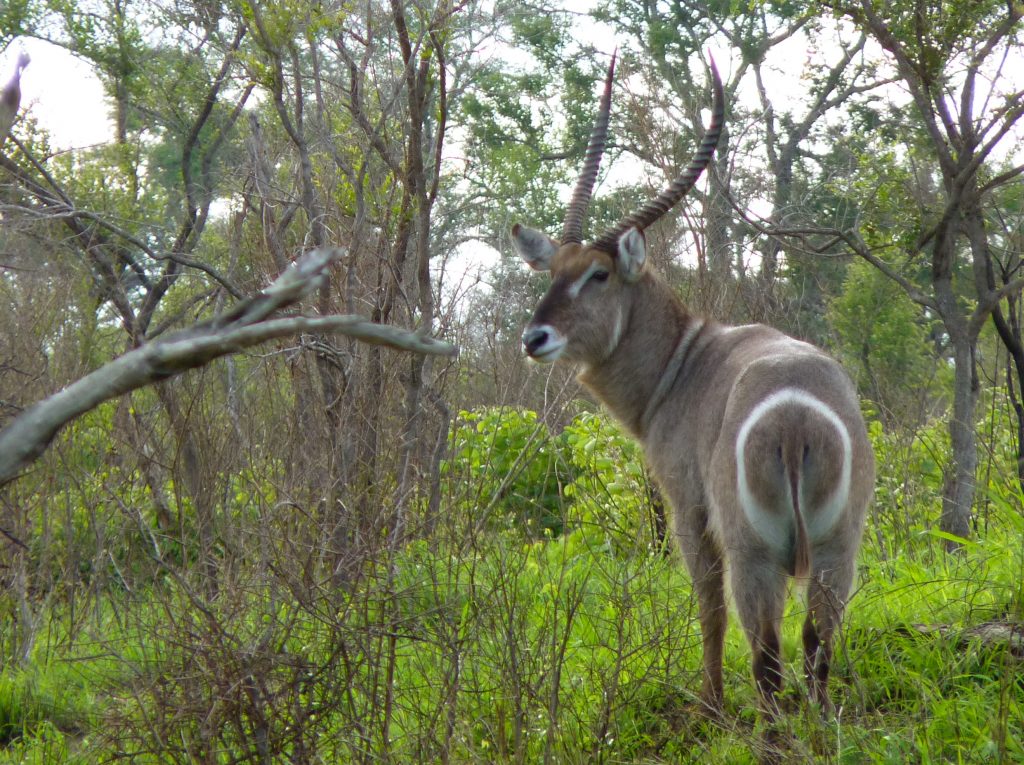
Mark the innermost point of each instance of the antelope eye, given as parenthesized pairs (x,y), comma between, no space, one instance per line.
(600,275)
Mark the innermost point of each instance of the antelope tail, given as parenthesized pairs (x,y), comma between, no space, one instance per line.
(802,546)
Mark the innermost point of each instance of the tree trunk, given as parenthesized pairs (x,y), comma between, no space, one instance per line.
(718,215)
(1007,325)
(958,492)
(958,498)
(198,484)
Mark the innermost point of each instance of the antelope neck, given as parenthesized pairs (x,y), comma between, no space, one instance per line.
(671,372)
(657,337)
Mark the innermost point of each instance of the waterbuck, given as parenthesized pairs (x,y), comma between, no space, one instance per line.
(757,439)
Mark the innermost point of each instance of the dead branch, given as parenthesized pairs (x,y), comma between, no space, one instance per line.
(249,323)
(1003,634)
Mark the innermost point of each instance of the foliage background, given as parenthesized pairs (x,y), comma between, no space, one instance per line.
(322,551)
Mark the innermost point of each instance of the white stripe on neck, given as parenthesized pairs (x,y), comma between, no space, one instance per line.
(671,372)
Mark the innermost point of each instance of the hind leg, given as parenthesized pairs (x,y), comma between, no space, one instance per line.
(704,563)
(759,589)
(826,602)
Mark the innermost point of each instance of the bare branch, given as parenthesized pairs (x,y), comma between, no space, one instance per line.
(1001,179)
(851,239)
(247,324)
(991,301)
(929,103)
(58,205)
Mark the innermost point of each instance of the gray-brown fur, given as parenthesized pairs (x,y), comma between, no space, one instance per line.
(690,441)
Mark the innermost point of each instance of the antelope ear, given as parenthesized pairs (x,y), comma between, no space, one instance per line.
(535,248)
(632,254)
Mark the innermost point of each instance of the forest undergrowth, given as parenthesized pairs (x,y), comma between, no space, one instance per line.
(538,618)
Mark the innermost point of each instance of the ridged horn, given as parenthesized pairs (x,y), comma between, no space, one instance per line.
(680,187)
(572,230)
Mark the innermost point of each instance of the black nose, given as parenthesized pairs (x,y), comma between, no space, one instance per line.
(534,338)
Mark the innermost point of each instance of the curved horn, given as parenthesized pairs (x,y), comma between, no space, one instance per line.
(572,230)
(667,199)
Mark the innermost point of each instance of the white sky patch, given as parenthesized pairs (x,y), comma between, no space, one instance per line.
(467,268)
(464,272)
(61,93)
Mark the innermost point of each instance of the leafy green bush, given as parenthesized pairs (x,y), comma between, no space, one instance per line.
(611,492)
(591,473)
(883,342)
(510,460)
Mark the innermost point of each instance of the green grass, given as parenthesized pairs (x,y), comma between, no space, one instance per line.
(567,650)
(45,710)
(500,647)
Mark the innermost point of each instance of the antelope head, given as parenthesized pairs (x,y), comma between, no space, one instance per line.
(581,316)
